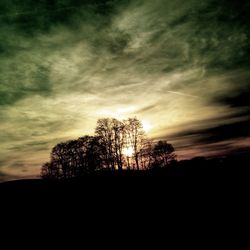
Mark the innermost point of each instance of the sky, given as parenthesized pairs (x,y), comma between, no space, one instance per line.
(182,67)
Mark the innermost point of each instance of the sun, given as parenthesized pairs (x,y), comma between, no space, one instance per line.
(128,151)
(146,126)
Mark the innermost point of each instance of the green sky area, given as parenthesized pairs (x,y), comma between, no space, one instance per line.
(182,67)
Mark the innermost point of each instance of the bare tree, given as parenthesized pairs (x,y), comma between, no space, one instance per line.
(118,143)
(146,154)
(104,130)
(115,145)
(135,135)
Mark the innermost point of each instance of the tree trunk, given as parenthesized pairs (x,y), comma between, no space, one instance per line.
(137,162)
(128,163)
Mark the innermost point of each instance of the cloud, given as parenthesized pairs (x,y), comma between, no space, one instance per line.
(175,64)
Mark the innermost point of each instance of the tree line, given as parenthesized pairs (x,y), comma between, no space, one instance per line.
(116,145)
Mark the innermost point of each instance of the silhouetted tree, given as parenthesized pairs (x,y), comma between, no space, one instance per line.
(146,154)
(74,158)
(135,135)
(119,133)
(163,153)
(59,157)
(111,134)
(104,130)
(50,171)
(92,154)
(117,144)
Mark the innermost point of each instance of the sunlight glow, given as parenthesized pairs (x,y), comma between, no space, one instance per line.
(146,126)
(128,151)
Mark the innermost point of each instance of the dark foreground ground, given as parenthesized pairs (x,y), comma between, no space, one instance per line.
(214,193)
(206,199)
(188,176)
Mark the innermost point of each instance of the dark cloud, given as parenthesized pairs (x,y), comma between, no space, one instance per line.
(25,69)
(218,133)
(211,150)
(240,96)
(39,16)
(17,84)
